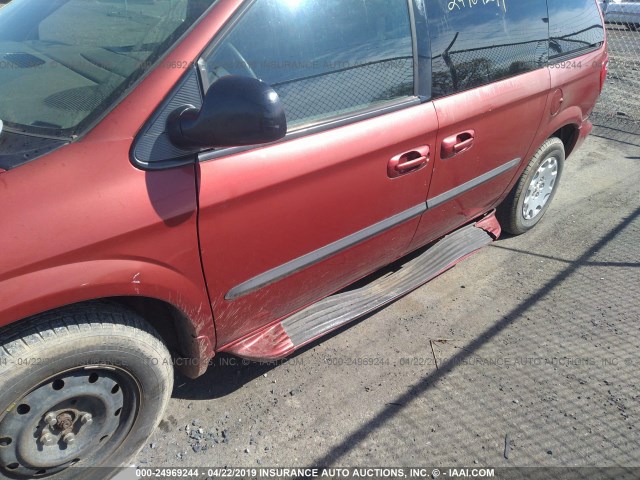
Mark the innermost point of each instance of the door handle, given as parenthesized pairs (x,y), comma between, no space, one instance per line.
(408,162)
(456,144)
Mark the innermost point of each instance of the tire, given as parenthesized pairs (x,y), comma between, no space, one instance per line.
(92,381)
(545,167)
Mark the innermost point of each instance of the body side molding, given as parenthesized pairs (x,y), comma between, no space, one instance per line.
(300,263)
(473,183)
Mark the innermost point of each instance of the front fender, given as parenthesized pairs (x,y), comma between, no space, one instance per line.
(42,290)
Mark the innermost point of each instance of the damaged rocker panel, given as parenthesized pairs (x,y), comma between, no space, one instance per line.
(279,340)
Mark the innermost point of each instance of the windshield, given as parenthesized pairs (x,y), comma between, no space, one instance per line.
(64,62)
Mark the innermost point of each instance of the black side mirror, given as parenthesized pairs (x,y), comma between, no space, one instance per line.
(237,111)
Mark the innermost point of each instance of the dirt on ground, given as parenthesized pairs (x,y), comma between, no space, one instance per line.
(534,341)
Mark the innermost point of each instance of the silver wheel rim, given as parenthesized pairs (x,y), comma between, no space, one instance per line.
(540,189)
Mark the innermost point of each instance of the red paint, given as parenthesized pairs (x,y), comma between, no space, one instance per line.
(457,144)
(585,131)
(490,225)
(408,162)
(273,343)
(604,71)
(82,223)
(267,344)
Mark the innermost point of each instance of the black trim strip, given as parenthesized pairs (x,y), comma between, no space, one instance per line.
(471,184)
(414,48)
(301,263)
(409,273)
(563,57)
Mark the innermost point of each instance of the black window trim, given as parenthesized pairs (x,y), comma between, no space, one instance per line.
(574,54)
(414,47)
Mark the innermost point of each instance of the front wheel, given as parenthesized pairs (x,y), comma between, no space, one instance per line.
(531,196)
(82,387)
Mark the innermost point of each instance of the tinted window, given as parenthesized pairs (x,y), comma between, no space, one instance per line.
(324,57)
(574,25)
(475,42)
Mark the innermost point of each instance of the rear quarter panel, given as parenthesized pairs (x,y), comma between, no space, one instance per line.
(579,81)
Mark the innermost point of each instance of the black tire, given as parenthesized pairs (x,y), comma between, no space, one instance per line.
(101,373)
(510,213)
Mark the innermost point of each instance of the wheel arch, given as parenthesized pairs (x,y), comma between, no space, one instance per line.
(190,351)
(569,135)
(565,126)
(174,305)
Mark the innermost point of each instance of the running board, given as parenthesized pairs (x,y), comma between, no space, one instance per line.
(279,340)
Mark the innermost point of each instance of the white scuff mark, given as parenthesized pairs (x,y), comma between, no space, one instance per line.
(136,281)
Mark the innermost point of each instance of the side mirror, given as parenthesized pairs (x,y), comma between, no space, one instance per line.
(237,111)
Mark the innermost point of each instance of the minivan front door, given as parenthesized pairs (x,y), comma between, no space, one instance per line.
(284,225)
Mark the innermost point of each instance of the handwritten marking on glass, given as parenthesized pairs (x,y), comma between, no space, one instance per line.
(462,4)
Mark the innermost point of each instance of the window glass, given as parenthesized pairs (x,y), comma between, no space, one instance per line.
(475,42)
(325,58)
(64,62)
(574,25)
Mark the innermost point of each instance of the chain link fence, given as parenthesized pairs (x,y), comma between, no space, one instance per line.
(346,89)
(617,115)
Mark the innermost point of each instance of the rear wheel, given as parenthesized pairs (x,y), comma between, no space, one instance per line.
(531,196)
(83,387)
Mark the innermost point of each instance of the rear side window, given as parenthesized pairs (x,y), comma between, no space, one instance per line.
(325,58)
(574,26)
(475,42)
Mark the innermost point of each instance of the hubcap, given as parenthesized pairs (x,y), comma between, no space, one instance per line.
(540,189)
(79,416)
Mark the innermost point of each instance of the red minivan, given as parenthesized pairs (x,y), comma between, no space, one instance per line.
(185,177)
